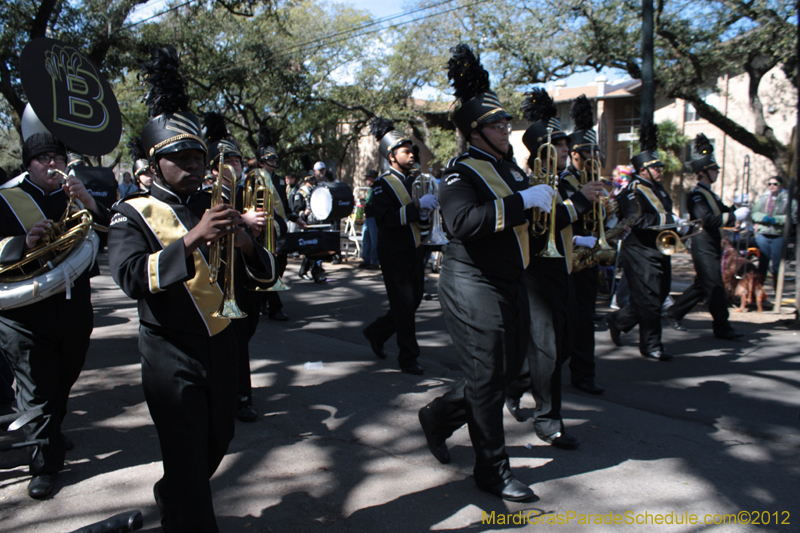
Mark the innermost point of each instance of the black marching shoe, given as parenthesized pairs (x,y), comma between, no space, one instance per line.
(658,355)
(509,489)
(157,496)
(512,404)
(41,486)
(730,335)
(614,332)
(562,441)
(588,386)
(280,316)
(413,368)
(436,445)
(246,413)
(377,347)
(676,324)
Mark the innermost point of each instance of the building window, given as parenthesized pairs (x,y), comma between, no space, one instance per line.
(690,113)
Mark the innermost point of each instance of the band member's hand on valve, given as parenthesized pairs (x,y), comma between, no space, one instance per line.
(33,236)
(539,196)
(76,189)
(218,222)
(255,220)
(593,191)
(427,204)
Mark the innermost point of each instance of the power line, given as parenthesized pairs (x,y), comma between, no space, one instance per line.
(151,17)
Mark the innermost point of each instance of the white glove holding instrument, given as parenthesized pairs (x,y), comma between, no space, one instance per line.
(742,213)
(588,242)
(540,196)
(428,202)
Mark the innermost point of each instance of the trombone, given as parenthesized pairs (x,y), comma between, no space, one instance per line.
(546,174)
(259,193)
(228,307)
(743,225)
(668,242)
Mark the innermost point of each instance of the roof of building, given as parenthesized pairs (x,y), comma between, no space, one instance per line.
(623,89)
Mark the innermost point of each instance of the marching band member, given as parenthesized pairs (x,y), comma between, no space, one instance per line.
(484,198)
(248,301)
(141,165)
(706,206)
(45,342)
(583,148)
(158,255)
(399,252)
(547,280)
(648,271)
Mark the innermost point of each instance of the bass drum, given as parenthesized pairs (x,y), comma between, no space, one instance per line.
(332,201)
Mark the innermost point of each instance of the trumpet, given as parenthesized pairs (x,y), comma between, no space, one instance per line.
(544,174)
(668,242)
(259,193)
(599,255)
(228,307)
(426,184)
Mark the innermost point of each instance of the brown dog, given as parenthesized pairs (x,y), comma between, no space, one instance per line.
(741,278)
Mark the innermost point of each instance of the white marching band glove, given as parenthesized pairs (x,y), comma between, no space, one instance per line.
(588,242)
(683,230)
(539,196)
(742,213)
(426,206)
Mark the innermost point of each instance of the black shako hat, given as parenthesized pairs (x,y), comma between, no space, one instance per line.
(539,108)
(479,105)
(172,127)
(266,144)
(388,138)
(705,152)
(648,157)
(584,138)
(216,133)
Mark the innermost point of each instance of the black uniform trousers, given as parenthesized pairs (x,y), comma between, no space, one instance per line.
(581,350)
(488,321)
(274,303)
(45,344)
(550,297)
(245,328)
(189,384)
(649,275)
(404,277)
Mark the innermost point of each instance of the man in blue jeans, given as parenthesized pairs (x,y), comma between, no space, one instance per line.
(369,241)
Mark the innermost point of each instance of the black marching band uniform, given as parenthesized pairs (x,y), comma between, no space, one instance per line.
(399,253)
(189,358)
(647,270)
(267,152)
(585,282)
(706,206)
(480,287)
(45,342)
(549,288)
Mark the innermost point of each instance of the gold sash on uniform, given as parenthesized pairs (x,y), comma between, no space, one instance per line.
(24,208)
(711,200)
(167,227)
(500,189)
(405,199)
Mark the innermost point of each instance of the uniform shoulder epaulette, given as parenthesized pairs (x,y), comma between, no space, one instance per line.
(456,159)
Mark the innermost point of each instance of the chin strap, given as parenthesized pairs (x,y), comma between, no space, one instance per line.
(491,145)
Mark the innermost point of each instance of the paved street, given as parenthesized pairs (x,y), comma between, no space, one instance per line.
(714,432)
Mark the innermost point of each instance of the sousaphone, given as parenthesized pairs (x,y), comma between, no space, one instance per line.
(70,98)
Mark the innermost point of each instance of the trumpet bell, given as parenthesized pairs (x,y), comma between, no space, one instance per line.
(669,243)
(229,309)
(279,286)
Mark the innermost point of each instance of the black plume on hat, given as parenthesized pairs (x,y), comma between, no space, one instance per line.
(215,128)
(702,146)
(648,137)
(167,92)
(466,73)
(582,113)
(136,149)
(538,105)
(266,137)
(380,126)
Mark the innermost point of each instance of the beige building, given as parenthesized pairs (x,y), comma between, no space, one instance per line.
(618,106)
